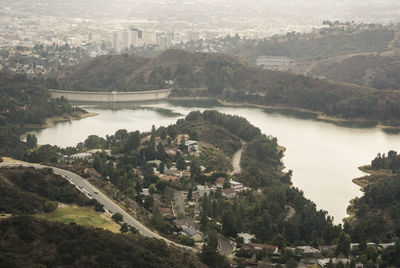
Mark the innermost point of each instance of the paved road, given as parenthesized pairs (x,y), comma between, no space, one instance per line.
(225,245)
(81,183)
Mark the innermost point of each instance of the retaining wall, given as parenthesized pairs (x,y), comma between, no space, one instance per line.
(114,96)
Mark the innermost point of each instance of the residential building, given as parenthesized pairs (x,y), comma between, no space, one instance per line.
(196,235)
(246,237)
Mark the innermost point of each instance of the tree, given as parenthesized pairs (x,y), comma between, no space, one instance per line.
(291,263)
(163,135)
(180,163)
(31,140)
(190,194)
(138,187)
(209,253)
(152,190)
(343,246)
(99,207)
(161,185)
(118,217)
(160,153)
(50,206)
(194,169)
(124,228)
(161,167)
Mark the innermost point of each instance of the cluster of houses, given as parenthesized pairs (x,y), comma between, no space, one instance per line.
(88,155)
(322,257)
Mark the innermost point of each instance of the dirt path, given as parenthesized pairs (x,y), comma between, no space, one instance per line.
(236,161)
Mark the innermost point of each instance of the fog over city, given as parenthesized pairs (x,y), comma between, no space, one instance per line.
(250,17)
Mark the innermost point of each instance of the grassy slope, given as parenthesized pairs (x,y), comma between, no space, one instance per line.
(81,215)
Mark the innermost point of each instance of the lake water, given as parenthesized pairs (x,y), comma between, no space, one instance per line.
(324,157)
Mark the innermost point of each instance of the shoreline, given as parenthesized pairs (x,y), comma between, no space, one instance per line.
(51,121)
(362,182)
(316,115)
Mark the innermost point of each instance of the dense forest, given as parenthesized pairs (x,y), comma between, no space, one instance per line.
(31,191)
(377,212)
(24,102)
(29,242)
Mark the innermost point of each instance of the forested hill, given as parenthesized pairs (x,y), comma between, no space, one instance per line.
(134,73)
(25,101)
(29,242)
(376,215)
(232,79)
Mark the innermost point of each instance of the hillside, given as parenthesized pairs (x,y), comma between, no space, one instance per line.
(327,42)
(25,102)
(133,73)
(30,242)
(375,215)
(232,79)
(379,71)
(31,191)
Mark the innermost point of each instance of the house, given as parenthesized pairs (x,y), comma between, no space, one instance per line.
(83,156)
(168,214)
(354,246)
(192,146)
(168,178)
(246,237)
(155,162)
(385,246)
(328,250)
(166,211)
(273,250)
(196,235)
(171,151)
(235,184)
(202,190)
(324,262)
(145,191)
(229,193)
(173,171)
(220,182)
(180,223)
(309,251)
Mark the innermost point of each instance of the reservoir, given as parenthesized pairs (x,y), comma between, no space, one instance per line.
(324,157)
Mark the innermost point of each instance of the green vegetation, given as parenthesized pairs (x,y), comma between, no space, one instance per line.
(376,71)
(328,43)
(232,79)
(376,214)
(80,215)
(41,243)
(30,190)
(24,102)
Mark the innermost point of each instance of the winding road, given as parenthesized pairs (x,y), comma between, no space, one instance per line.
(108,204)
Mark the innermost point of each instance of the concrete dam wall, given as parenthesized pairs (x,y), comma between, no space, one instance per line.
(113,96)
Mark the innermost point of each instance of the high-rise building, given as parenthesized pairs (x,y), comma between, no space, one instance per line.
(149,38)
(139,32)
(134,38)
(125,41)
(117,41)
(192,35)
(164,40)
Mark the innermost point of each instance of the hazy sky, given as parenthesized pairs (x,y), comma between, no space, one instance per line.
(229,14)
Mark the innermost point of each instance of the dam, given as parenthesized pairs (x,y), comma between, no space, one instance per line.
(110,97)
